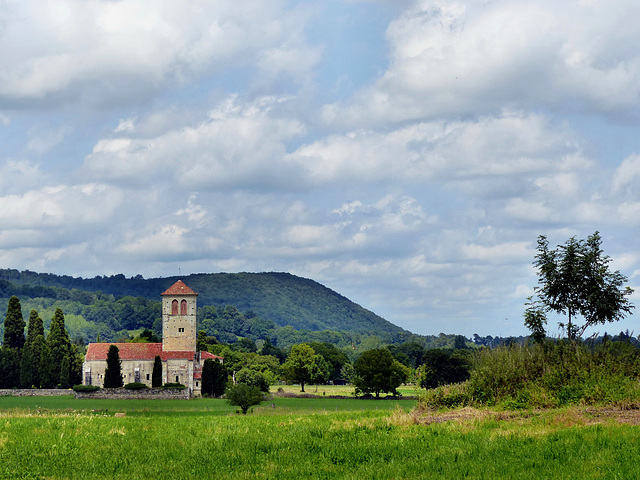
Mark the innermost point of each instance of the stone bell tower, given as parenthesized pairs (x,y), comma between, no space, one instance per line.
(179,318)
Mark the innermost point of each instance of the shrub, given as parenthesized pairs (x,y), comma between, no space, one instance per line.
(135,386)
(177,386)
(244,396)
(85,388)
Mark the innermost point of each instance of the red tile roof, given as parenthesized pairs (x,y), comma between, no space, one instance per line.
(179,288)
(140,351)
(205,355)
(127,351)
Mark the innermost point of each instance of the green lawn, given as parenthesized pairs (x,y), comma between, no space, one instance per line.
(197,406)
(62,438)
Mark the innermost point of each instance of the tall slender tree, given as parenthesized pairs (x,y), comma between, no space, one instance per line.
(156,374)
(214,378)
(34,328)
(14,325)
(113,372)
(59,344)
(46,372)
(30,362)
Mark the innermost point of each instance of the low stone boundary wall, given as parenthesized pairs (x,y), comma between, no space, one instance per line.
(144,394)
(34,392)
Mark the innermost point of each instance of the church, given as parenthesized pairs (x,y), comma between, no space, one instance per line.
(181,363)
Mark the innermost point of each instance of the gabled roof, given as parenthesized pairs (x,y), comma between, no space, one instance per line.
(127,351)
(140,351)
(179,288)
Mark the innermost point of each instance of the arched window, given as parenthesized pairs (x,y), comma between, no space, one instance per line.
(174,307)
(183,307)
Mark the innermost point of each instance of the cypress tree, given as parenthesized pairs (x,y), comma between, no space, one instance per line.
(14,325)
(75,360)
(65,371)
(9,367)
(113,372)
(156,375)
(30,363)
(58,342)
(26,368)
(214,378)
(34,328)
(47,377)
(35,352)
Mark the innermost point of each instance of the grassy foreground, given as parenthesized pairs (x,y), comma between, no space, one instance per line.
(306,441)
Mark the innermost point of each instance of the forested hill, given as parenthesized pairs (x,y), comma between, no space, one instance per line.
(282,298)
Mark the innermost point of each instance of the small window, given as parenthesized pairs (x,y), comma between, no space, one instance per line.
(197,384)
(183,307)
(181,330)
(147,376)
(177,379)
(174,307)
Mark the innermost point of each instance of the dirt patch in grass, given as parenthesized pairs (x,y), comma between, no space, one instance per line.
(629,415)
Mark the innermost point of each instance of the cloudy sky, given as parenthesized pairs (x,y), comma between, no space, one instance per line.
(406,154)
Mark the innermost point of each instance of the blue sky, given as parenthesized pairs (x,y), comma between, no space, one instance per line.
(406,154)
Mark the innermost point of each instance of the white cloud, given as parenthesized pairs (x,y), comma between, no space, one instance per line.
(104,52)
(470,56)
(59,206)
(238,145)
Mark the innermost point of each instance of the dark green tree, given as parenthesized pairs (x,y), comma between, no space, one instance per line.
(156,374)
(14,325)
(113,372)
(269,349)
(30,361)
(47,377)
(243,396)
(299,364)
(253,378)
(575,280)
(76,358)
(59,344)
(335,358)
(214,378)
(34,328)
(65,373)
(9,367)
(201,342)
(442,367)
(377,371)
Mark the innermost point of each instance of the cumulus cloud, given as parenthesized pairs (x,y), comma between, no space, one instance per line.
(468,56)
(59,206)
(104,52)
(237,145)
(222,144)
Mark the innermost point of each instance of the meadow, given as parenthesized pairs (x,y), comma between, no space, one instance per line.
(65,438)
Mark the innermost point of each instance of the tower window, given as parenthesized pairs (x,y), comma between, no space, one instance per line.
(181,330)
(174,307)
(183,307)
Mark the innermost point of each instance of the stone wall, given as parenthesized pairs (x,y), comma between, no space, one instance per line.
(145,394)
(33,392)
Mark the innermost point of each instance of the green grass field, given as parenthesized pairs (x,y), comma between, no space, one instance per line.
(65,438)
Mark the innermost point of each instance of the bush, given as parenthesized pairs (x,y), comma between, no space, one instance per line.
(551,374)
(85,388)
(135,386)
(244,396)
(177,386)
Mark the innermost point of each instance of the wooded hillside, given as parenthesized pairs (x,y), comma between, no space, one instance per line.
(285,307)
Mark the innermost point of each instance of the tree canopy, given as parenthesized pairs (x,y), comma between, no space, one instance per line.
(113,372)
(376,371)
(575,280)
(14,325)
